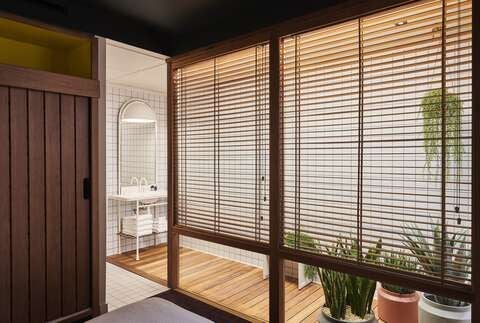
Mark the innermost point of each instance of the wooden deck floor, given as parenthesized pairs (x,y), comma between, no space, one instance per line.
(229,284)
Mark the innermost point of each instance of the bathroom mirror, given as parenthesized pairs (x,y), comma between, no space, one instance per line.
(137,143)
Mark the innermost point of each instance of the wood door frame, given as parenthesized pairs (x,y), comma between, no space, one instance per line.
(348,10)
(98,124)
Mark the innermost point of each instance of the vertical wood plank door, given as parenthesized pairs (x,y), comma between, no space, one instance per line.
(45,217)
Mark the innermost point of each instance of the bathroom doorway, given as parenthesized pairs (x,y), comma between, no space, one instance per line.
(136,172)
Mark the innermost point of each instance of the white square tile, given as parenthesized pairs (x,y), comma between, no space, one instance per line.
(124,287)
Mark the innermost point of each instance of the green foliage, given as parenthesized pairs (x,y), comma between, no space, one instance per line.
(343,290)
(360,289)
(310,272)
(397,289)
(398,262)
(428,255)
(305,242)
(431,107)
(335,291)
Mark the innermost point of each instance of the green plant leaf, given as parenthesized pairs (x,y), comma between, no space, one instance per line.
(431,108)
(428,255)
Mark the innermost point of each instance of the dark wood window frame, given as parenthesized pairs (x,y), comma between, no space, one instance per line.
(276,252)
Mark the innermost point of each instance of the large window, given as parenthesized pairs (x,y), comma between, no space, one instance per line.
(375,143)
(376,133)
(222,138)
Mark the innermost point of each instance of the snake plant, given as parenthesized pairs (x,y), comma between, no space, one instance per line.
(428,255)
(400,262)
(342,290)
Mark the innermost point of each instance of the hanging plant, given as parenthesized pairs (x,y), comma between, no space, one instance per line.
(431,107)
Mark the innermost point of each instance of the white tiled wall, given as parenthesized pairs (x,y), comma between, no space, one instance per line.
(243,256)
(116,96)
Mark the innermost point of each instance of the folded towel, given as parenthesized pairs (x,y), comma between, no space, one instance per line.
(160,220)
(134,229)
(160,228)
(135,221)
(160,224)
(142,226)
(141,217)
(139,222)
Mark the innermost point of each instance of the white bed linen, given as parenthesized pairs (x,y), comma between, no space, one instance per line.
(151,310)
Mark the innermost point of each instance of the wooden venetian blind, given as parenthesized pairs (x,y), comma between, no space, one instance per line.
(376,131)
(222,156)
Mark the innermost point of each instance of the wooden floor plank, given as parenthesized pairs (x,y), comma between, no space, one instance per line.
(298,306)
(228,290)
(224,282)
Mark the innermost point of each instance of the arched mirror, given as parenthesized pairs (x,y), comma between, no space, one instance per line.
(137,144)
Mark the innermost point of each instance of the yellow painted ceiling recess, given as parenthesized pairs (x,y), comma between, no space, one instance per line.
(38,48)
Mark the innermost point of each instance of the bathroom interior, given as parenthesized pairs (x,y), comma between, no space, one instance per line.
(136,165)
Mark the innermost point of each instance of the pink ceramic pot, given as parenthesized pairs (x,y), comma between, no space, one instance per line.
(397,308)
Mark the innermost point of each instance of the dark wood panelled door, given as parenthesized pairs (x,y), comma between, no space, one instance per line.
(45,220)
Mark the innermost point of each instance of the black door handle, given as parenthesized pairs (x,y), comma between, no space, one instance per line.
(86,188)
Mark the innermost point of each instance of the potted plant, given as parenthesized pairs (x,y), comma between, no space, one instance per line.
(435,308)
(431,107)
(441,108)
(397,304)
(348,298)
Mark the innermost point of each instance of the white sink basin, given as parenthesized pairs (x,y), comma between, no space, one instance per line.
(144,197)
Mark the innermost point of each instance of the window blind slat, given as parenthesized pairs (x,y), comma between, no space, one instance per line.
(221,128)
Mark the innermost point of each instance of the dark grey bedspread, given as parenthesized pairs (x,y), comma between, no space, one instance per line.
(151,310)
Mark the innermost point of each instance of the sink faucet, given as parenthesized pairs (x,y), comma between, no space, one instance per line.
(142,180)
(134,179)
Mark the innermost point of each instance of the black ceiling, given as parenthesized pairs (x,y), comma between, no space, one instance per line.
(166,26)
